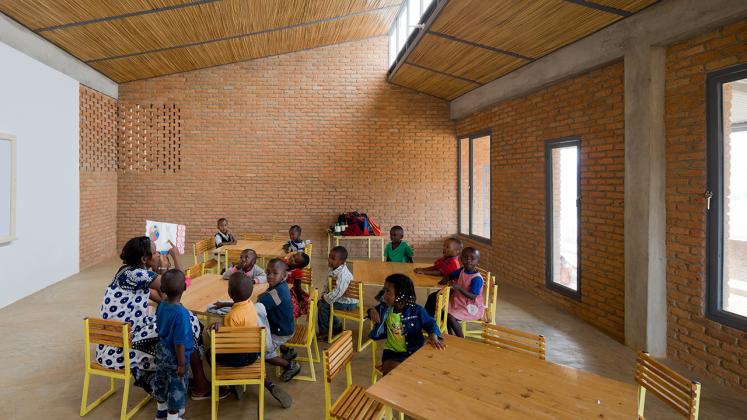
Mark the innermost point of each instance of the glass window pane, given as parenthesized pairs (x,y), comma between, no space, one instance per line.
(481,186)
(392,47)
(734,283)
(565,216)
(415,12)
(402,29)
(464,185)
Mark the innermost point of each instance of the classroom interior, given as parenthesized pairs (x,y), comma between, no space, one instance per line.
(592,151)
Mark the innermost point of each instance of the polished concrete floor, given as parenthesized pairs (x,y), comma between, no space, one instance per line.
(41,357)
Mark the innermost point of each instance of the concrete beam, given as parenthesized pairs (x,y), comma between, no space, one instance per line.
(661,24)
(22,39)
(645,206)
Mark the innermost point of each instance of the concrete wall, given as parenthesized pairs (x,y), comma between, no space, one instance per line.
(40,106)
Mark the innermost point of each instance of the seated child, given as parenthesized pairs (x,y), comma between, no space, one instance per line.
(398,250)
(465,297)
(442,267)
(176,343)
(243,313)
(339,271)
(248,266)
(297,261)
(224,236)
(277,304)
(295,243)
(400,321)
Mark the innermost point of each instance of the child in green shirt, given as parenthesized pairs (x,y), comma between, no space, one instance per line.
(398,250)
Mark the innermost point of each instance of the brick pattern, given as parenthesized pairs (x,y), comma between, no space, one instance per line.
(98,177)
(590,107)
(707,347)
(149,137)
(295,139)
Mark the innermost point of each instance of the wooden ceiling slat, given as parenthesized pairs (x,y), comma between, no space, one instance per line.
(627,5)
(246,48)
(37,14)
(601,7)
(434,84)
(532,29)
(463,60)
(187,26)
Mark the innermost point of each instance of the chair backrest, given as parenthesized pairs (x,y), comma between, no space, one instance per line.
(679,392)
(204,245)
(238,340)
(311,317)
(338,356)
(308,248)
(194,271)
(487,282)
(109,333)
(354,290)
(233,255)
(515,340)
(254,237)
(308,277)
(442,308)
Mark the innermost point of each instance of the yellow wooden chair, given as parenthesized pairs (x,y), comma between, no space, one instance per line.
(232,257)
(307,279)
(674,389)
(515,340)
(238,340)
(308,249)
(194,271)
(254,237)
(487,288)
(202,255)
(353,403)
(305,337)
(354,291)
(442,309)
(110,333)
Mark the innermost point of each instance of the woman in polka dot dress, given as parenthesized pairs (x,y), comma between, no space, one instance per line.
(126,299)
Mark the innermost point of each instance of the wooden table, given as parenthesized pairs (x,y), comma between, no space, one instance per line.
(262,248)
(472,380)
(353,238)
(375,272)
(208,288)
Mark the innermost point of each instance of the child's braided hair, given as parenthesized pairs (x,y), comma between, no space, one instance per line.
(404,290)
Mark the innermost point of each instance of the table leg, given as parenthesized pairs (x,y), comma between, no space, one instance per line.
(329,243)
(382,248)
(369,247)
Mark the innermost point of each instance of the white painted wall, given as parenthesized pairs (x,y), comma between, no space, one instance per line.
(40,106)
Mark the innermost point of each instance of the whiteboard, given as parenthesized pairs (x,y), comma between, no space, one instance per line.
(7,187)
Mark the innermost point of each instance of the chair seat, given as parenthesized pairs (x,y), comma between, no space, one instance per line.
(299,336)
(228,373)
(348,314)
(211,263)
(96,366)
(355,404)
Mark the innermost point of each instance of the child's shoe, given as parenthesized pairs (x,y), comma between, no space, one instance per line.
(283,397)
(292,370)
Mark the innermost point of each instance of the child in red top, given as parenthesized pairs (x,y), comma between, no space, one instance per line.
(297,261)
(443,267)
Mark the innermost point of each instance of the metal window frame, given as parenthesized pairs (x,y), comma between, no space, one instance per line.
(715,183)
(471,138)
(551,145)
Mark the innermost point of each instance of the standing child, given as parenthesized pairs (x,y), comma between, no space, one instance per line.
(465,301)
(277,304)
(339,271)
(176,343)
(224,236)
(248,266)
(442,267)
(295,243)
(401,322)
(398,250)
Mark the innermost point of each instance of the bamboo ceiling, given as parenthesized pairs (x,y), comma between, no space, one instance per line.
(468,43)
(136,39)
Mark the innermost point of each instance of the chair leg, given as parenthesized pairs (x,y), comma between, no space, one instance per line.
(85,409)
(361,345)
(125,396)
(331,319)
(261,401)
(125,401)
(316,347)
(214,402)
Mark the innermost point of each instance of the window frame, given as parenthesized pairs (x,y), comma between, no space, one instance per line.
(471,137)
(550,145)
(715,182)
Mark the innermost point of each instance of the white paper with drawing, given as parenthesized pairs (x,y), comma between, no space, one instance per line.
(161,233)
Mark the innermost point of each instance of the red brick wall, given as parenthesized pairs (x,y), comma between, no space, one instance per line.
(294,139)
(98,177)
(708,347)
(590,107)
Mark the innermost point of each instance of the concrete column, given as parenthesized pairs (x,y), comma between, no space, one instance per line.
(645,211)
